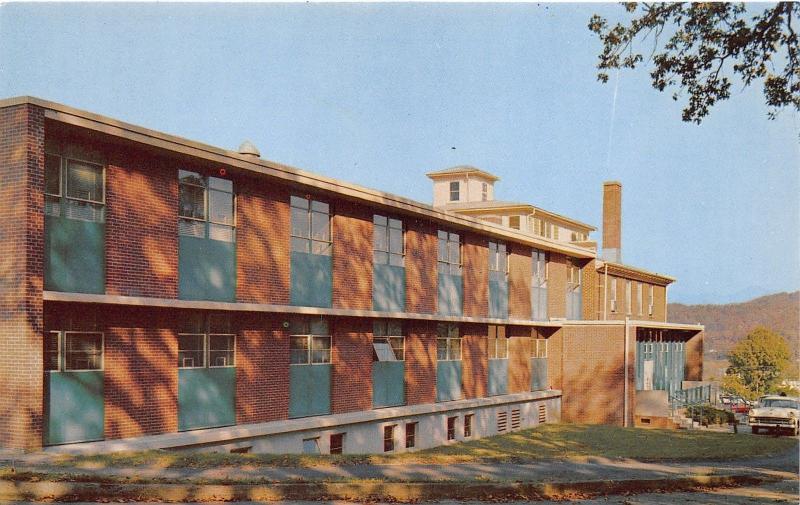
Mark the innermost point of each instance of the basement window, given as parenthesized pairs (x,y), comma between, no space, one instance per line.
(336,443)
(451,428)
(411,435)
(388,438)
(468,425)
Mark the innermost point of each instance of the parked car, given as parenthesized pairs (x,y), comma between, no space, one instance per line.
(776,413)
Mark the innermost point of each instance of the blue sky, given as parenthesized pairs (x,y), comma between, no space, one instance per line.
(380,94)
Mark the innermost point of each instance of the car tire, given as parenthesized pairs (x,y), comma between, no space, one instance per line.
(754,429)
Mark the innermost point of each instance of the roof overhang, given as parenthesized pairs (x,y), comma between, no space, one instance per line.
(633,273)
(291,175)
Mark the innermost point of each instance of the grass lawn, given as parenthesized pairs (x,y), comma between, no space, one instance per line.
(544,442)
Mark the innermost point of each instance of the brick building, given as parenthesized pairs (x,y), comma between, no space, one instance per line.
(159,292)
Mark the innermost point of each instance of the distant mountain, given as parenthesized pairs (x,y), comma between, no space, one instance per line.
(727,324)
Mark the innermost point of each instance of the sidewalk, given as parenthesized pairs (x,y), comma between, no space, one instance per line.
(529,480)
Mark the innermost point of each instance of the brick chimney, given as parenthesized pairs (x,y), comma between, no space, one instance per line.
(612,221)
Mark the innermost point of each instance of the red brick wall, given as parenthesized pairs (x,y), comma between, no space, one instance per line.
(519,282)
(262,242)
(475,259)
(351,382)
(141,226)
(352,256)
(421,258)
(555,351)
(21,251)
(141,375)
(475,360)
(519,358)
(262,368)
(589,289)
(556,285)
(420,362)
(593,374)
(694,357)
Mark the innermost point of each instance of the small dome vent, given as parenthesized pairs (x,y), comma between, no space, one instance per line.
(248,149)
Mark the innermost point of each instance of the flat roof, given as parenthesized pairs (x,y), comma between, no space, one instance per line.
(462,169)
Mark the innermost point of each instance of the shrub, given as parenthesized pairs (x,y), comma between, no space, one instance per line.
(705,415)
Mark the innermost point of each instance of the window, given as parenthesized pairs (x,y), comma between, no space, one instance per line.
(451,428)
(539,268)
(206,207)
(613,294)
(73,351)
(484,191)
(650,301)
(468,425)
(573,275)
(309,342)
(388,342)
(498,258)
(411,435)
(513,222)
(387,240)
(449,253)
(577,236)
(336,443)
(448,342)
(498,343)
(538,345)
(206,341)
(311,226)
(639,297)
(628,307)
(311,445)
(454,191)
(74,189)
(543,228)
(388,438)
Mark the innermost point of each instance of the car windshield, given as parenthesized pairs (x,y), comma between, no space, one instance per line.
(780,403)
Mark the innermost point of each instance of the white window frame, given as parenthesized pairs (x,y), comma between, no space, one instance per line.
(639,296)
(447,264)
(448,328)
(309,211)
(62,351)
(376,338)
(613,295)
(539,346)
(385,230)
(206,336)
(456,191)
(63,190)
(628,297)
(650,302)
(498,253)
(207,189)
(484,191)
(497,351)
(309,344)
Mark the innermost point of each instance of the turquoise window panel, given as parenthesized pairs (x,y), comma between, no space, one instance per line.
(206,269)
(498,295)
(74,259)
(206,397)
(389,288)
(538,374)
(450,294)
(74,410)
(498,377)
(311,280)
(448,381)
(309,390)
(388,383)
(574,305)
(539,303)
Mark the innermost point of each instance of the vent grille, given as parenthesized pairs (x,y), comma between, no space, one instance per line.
(502,422)
(516,419)
(542,414)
